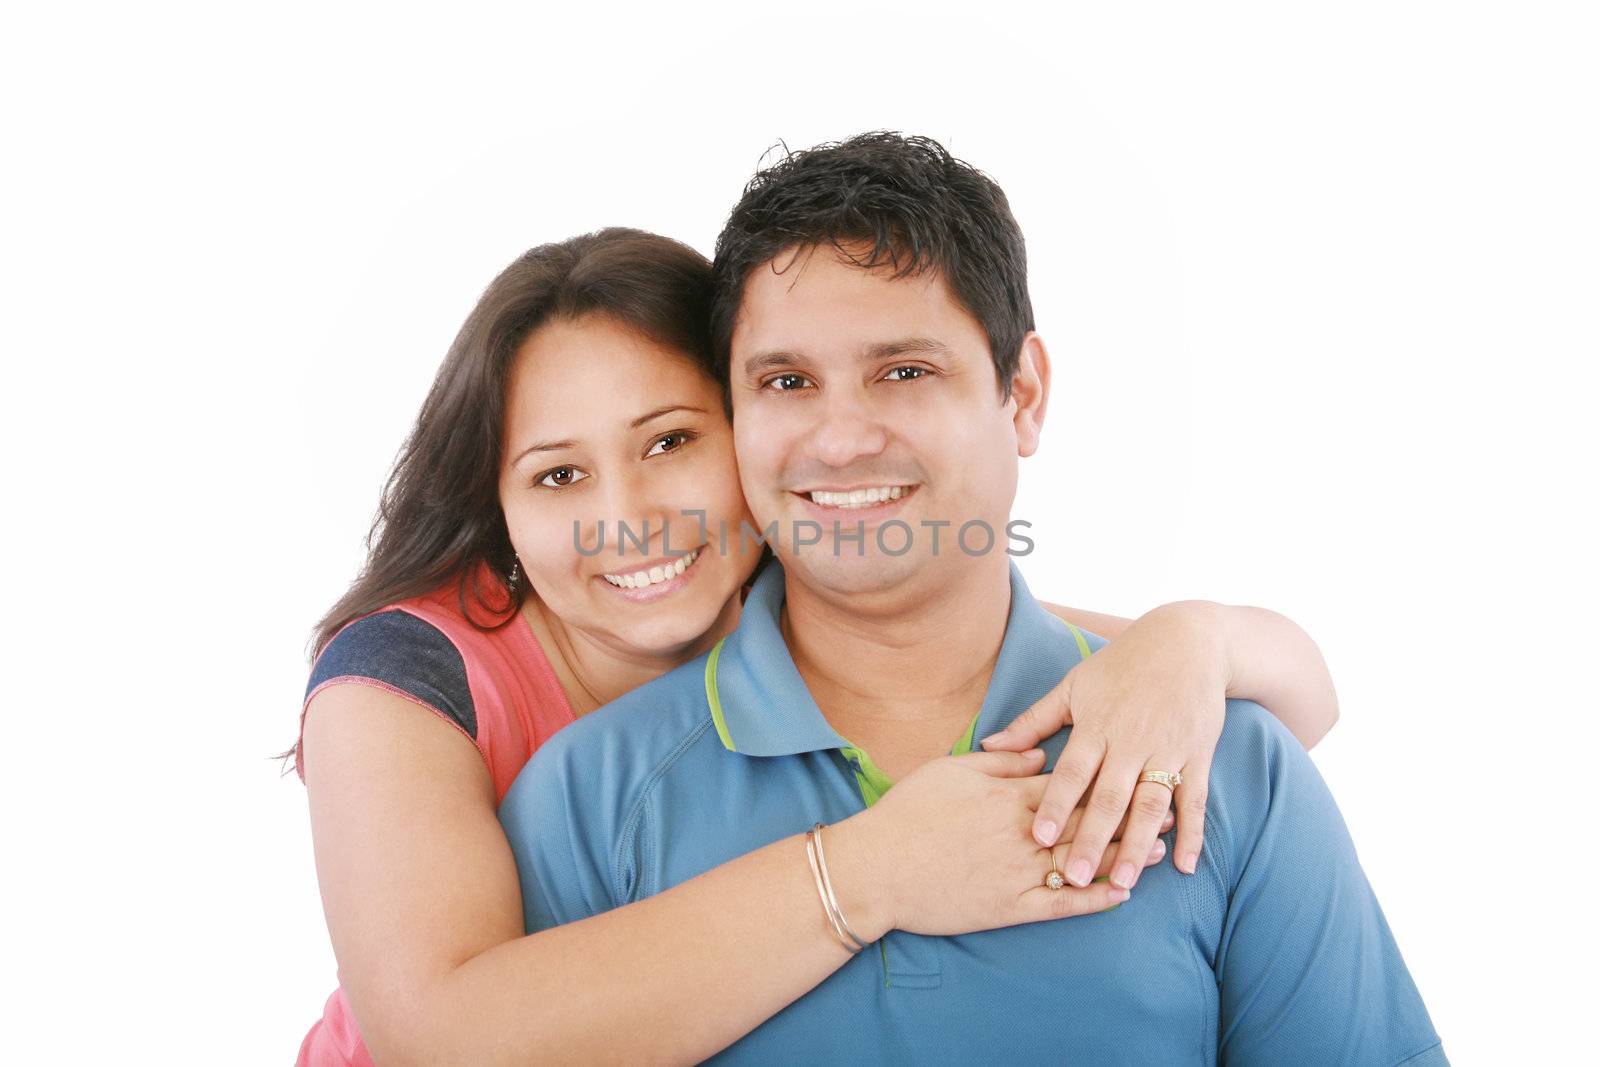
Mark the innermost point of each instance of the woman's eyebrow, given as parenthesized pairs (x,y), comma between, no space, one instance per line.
(658,412)
(556,446)
(543,446)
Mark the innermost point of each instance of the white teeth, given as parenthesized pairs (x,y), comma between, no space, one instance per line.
(858,498)
(653,576)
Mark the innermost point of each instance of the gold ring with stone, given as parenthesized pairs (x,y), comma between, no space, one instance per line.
(1055,879)
(1170,779)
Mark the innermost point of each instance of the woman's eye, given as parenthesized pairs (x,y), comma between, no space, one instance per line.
(561,477)
(785,383)
(905,374)
(670,442)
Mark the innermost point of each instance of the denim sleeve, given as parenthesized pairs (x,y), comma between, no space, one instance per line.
(559,839)
(1307,969)
(404,653)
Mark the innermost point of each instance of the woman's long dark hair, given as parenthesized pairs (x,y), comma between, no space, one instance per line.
(439,517)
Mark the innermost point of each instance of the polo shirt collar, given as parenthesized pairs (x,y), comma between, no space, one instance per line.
(761,706)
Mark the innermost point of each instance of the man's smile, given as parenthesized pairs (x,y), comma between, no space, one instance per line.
(852,499)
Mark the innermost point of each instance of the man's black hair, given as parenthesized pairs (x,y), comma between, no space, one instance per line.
(915,208)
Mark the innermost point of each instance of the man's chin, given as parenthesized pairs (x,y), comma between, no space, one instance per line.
(849,574)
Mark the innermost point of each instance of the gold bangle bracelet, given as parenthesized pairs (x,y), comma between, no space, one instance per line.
(822,893)
(835,913)
(820,878)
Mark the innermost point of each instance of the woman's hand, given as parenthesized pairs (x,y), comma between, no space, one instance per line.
(948,851)
(1152,699)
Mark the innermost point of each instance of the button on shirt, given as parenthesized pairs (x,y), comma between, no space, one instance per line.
(1275,951)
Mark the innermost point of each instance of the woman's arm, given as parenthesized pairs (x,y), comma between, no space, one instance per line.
(1270,660)
(424,911)
(1153,699)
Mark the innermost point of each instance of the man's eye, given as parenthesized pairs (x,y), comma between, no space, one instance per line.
(670,442)
(561,477)
(906,374)
(785,383)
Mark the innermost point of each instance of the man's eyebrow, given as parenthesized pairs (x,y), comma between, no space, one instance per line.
(556,446)
(879,350)
(765,360)
(890,349)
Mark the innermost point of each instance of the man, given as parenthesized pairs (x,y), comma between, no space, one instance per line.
(884,377)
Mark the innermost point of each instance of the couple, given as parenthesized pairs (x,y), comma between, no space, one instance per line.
(867,326)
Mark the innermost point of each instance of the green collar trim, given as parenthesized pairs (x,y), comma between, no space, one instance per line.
(715,699)
(873,782)
(1083,645)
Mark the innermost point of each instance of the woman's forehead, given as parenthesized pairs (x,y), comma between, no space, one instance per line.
(579,377)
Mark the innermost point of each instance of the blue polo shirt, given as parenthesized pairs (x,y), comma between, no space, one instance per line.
(1274,952)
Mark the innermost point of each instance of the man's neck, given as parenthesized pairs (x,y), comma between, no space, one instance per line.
(898,677)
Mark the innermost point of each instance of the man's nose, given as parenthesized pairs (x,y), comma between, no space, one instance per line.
(847,429)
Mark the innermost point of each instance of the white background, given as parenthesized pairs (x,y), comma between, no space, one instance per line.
(1320,285)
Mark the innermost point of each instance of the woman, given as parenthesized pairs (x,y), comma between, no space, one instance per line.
(580,389)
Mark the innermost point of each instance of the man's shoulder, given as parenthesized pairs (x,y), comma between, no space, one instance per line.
(1262,783)
(572,812)
(1254,747)
(628,739)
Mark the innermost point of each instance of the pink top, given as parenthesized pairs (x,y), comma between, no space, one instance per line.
(518,705)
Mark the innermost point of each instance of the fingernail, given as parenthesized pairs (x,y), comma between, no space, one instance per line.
(1123,876)
(1158,850)
(1046,833)
(1079,873)
(1187,862)
(986,741)
(1119,895)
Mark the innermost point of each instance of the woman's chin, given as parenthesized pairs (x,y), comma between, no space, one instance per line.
(672,640)
(672,629)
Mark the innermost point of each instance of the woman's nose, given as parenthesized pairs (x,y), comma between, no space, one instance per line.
(641,512)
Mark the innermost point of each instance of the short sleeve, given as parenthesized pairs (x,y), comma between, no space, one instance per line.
(398,651)
(1307,969)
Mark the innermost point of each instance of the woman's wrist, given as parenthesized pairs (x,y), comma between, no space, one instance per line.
(861,875)
(1210,632)
(1273,662)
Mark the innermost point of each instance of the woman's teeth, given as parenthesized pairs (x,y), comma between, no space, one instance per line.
(653,576)
(858,498)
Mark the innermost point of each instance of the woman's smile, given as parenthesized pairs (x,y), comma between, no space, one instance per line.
(654,579)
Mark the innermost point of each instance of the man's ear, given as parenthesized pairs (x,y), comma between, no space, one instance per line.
(1030,393)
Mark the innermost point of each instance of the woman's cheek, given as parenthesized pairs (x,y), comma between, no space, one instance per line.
(545,532)
(718,478)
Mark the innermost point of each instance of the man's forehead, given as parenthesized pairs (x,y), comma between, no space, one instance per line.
(808,267)
(818,294)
